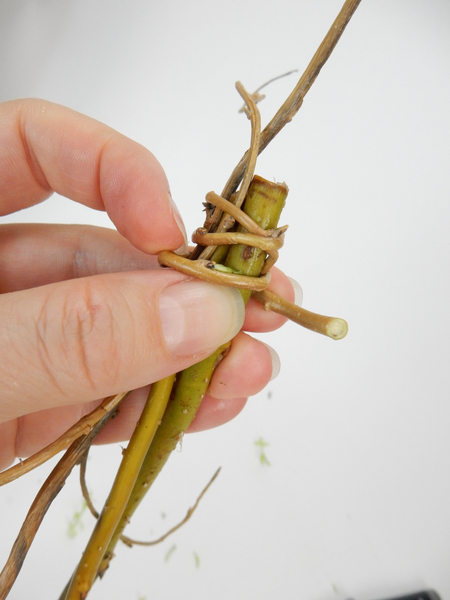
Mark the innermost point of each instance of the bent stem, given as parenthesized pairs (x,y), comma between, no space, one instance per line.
(130,542)
(119,495)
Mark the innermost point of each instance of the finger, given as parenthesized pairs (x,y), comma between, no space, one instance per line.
(88,338)
(214,412)
(245,370)
(79,250)
(32,432)
(226,398)
(29,434)
(38,254)
(231,383)
(45,147)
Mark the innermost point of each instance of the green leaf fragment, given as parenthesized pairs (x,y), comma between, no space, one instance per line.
(76,524)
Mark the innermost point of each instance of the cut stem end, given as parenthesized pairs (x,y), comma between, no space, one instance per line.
(337,329)
(332,327)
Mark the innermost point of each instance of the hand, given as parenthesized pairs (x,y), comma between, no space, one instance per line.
(86,312)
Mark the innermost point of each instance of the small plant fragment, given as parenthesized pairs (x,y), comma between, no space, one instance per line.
(197,559)
(76,524)
(261,445)
(256,97)
(170,552)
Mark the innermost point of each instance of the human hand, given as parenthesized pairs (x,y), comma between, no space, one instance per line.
(86,312)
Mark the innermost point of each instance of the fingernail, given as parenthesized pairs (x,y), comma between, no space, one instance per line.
(276,363)
(297,291)
(183,249)
(199,317)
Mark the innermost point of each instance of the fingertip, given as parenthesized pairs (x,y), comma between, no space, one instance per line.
(275,359)
(214,412)
(52,148)
(298,292)
(245,370)
(137,197)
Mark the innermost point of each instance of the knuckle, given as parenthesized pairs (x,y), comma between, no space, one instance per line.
(78,347)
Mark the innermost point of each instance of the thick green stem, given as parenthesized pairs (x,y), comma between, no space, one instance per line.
(120,492)
(264,203)
(186,397)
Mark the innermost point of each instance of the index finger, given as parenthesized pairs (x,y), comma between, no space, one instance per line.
(47,148)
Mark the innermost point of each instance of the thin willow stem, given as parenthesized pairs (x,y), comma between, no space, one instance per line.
(294,101)
(84,490)
(129,542)
(258,97)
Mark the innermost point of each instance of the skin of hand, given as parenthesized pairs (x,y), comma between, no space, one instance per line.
(86,312)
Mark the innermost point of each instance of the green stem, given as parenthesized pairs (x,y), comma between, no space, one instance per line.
(264,203)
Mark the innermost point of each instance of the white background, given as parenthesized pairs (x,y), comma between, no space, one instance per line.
(356,501)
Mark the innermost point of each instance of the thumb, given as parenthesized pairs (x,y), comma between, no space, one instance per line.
(84,339)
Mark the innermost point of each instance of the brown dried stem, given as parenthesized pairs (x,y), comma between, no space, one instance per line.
(41,504)
(82,427)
